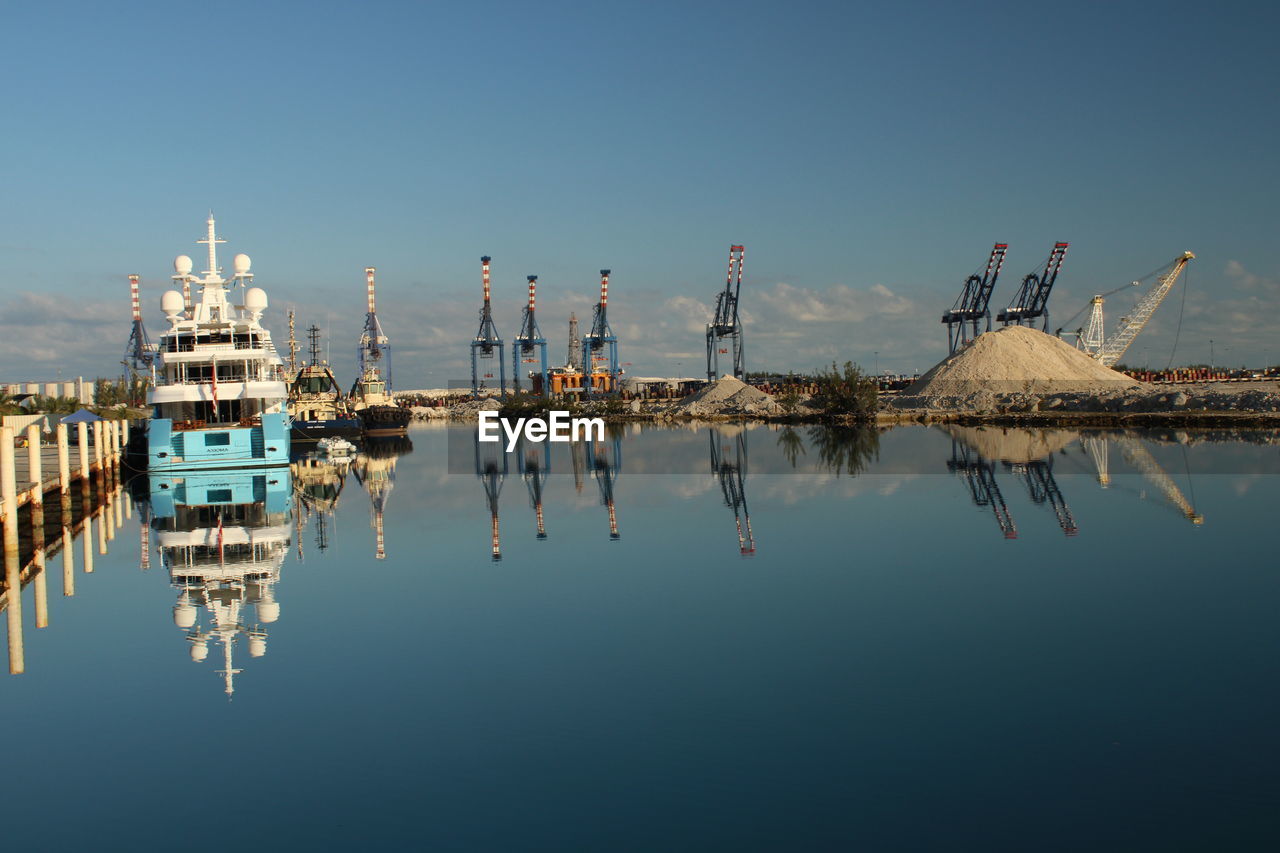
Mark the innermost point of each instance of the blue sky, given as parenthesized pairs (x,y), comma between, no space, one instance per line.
(867,155)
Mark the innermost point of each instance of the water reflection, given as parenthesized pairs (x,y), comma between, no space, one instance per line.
(317,486)
(375,470)
(491,469)
(535,466)
(604,461)
(729,464)
(223,537)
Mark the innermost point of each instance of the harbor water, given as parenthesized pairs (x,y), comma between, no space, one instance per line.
(713,637)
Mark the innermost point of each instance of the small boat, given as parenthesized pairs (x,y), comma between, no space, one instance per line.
(335,446)
(218,399)
(317,405)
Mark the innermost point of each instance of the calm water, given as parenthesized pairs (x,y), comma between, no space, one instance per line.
(721,639)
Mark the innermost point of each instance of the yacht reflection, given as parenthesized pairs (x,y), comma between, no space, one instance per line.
(604,461)
(223,537)
(491,470)
(729,464)
(375,470)
(535,467)
(317,486)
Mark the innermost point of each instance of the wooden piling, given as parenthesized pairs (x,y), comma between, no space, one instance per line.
(12,570)
(82,439)
(64,462)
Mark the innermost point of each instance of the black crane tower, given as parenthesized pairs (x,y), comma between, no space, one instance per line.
(487,341)
(1032,299)
(972,305)
(725,325)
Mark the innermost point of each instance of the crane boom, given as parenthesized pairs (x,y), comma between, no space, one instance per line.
(1130,326)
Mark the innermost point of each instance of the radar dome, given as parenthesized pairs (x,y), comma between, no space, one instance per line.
(172,303)
(199,651)
(184,615)
(255,300)
(257,647)
(241,263)
(268,611)
(182,264)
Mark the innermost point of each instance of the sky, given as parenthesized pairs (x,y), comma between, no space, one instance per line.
(867,156)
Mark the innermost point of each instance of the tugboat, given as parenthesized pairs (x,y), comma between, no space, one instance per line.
(219,396)
(371,397)
(316,403)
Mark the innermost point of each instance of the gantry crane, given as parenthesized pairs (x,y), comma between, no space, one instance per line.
(529,340)
(487,341)
(726,325)
(374,347)
(972,306)
(731,473)
(1032,299)
(600,346)
(1139,457)
(980,476)
(139,353)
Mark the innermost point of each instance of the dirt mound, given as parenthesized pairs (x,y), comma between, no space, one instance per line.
(1013,362)
(728,396)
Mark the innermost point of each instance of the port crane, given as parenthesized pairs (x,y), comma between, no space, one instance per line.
(1140,458)
(600,346)
(725,325)
(487,341)
(731,474)
(972,305)
(1108,351)
(528,341)
(980,476)
(139,353)
(1032,299)
(374,345)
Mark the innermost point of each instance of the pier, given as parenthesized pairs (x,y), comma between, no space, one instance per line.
(65,485)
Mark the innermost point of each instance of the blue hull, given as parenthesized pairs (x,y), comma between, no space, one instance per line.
(217,447)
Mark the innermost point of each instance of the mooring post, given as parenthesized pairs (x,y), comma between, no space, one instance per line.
(12,571)
(35,474)
(64,462)
(68,556)
(82,439)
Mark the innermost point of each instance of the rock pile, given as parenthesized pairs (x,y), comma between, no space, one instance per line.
(728,396)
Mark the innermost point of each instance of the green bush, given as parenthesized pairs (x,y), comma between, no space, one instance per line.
(847,391)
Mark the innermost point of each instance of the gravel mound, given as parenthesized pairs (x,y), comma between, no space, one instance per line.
(728,396)
(1013,364)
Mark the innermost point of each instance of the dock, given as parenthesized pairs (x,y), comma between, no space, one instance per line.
(53,475)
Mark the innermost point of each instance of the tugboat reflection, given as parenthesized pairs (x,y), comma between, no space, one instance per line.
(317,486)
(375,470)
(223,536)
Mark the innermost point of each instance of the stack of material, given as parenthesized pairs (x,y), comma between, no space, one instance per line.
(1013,361)
(728,396)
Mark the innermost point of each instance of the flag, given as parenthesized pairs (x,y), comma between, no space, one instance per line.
(215,394)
